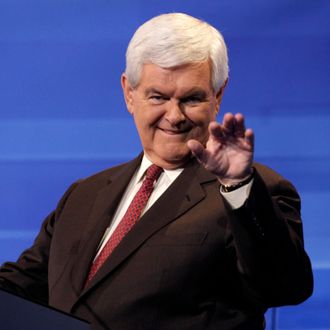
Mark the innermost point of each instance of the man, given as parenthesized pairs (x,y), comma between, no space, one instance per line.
(215,243)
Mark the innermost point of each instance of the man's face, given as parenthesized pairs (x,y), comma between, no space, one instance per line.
(170,107)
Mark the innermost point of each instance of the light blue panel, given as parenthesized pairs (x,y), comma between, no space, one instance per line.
(289,136)
(316,216)
(84,139)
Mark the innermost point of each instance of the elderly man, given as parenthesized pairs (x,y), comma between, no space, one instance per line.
(192,234)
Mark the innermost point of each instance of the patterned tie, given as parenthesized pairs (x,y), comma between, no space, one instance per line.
(129,219)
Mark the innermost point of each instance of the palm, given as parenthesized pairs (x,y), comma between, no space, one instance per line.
(229,150)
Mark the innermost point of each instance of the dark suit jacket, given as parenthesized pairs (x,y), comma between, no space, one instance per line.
(189,263)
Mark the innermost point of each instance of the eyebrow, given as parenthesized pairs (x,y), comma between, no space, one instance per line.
(153,90)
(197,92)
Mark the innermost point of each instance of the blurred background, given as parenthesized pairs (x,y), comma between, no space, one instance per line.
(63,117)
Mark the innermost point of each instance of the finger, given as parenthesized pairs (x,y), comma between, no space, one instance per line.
(216,131)
(239,126)
(249,137)
(197,150)
(228,123)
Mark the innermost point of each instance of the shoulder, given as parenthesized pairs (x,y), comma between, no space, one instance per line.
(267,173)
(93,183)
(274,181)
(107,175)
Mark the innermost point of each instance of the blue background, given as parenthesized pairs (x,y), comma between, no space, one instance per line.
(62,114)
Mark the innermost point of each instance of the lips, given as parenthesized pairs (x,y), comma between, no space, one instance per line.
(174,131)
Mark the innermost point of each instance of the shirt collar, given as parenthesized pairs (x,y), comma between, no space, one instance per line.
(171,174)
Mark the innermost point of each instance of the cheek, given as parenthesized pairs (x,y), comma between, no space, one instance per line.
(201,117)
(147,115)
(146,122)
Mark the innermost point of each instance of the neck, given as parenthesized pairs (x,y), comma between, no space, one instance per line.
(169,164)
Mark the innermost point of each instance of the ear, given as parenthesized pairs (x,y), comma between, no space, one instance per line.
(128,93)
(220,94)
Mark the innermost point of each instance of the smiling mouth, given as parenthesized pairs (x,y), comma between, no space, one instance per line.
(174,132)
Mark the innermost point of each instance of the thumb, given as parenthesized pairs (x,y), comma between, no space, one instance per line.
(197,150)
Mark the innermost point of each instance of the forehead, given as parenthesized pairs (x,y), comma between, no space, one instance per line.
(187,76)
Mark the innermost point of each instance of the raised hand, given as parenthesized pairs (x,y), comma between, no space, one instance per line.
(228,153)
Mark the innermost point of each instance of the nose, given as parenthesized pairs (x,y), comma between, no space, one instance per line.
(174,114)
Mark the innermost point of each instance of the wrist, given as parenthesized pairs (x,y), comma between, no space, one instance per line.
(228,185)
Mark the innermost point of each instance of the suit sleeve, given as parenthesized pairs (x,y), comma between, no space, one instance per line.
(266,240)
(28,276)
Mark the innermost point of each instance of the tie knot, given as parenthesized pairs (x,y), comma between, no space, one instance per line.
(153,172)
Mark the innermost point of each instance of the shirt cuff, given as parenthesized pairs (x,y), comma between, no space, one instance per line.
(237,198)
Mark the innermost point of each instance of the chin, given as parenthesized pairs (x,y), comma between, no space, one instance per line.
(169,155)
(177,159)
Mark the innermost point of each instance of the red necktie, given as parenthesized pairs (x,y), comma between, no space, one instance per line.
(129,219)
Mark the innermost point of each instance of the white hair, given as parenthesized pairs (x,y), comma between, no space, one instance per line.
(170,40)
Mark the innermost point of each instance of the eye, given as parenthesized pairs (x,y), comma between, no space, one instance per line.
(194,98)
(191,100)
(157,98)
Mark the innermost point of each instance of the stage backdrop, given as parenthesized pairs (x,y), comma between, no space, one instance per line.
(62,115)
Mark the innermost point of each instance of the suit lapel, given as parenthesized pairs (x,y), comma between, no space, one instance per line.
(99,219)
(184,193)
